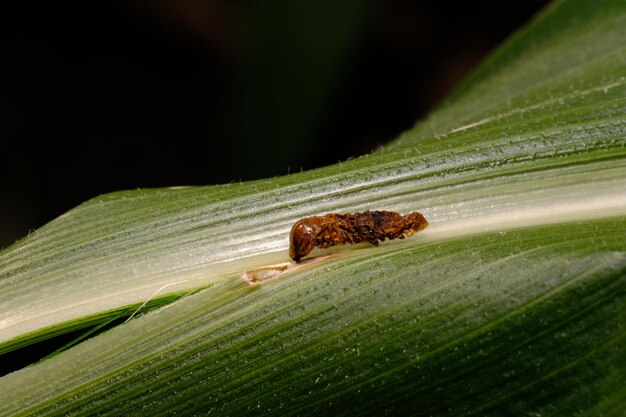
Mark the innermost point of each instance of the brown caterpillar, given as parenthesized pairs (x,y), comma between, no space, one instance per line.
(337,229)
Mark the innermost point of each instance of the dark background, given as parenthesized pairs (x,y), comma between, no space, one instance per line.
(102,96)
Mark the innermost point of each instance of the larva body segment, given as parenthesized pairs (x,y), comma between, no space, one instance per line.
(337,229)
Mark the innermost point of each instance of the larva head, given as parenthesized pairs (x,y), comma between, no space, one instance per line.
(416,221)
(303,237)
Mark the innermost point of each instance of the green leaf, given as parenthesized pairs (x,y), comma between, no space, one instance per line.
(512,302)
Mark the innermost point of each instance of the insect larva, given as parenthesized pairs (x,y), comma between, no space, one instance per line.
(337,229)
